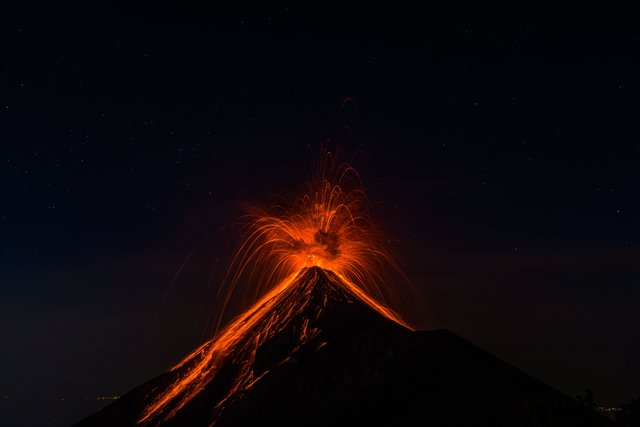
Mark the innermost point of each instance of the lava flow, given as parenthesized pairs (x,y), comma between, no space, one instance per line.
(327,232)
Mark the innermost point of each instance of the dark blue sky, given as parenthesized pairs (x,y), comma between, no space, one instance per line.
(503,146)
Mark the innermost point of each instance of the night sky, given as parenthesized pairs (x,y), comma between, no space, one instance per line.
(500,147)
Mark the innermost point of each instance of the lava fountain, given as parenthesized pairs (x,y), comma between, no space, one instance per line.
(328,230)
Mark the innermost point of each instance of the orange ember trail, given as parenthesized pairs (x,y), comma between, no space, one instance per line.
(327,229)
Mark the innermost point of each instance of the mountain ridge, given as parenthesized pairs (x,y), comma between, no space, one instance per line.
(323,355)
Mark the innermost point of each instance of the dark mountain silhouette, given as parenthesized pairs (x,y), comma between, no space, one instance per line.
(330,358)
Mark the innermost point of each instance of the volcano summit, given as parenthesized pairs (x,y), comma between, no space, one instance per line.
(317,351)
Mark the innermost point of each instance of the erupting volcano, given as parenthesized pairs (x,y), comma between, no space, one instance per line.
(327,239)
(318,343)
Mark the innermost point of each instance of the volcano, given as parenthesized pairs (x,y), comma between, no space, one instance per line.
(318,352)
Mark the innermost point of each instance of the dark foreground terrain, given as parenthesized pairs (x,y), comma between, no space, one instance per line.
(361,368)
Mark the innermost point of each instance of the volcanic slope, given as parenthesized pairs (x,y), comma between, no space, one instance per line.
(316,353)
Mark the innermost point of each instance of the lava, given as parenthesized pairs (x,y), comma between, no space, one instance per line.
(327,230)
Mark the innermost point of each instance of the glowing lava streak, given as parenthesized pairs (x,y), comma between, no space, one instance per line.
(326,230)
